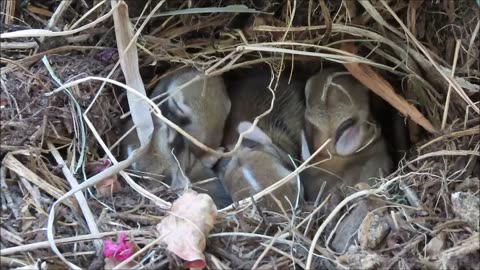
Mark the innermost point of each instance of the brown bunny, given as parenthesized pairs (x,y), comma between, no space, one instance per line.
(169,160)
(201,107)
(337,107)
(257,165)
(263,158)
(251,97)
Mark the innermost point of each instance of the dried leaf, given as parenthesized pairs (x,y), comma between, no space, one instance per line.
(186,228)
(382,88)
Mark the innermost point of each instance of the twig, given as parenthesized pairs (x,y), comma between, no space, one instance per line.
(446,153)
(337,209)
(265,251)
(87,213)
(451,81)
(61,8)
(456,134)
(87,14)
(62,241)
(16,166)
(136,254)
(449,91)
(6,193)
(49,33)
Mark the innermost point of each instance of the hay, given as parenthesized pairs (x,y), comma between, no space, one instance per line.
(427,50)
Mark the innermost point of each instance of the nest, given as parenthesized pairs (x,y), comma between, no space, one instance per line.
(424,215)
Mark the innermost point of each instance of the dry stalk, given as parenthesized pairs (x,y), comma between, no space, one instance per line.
(451,81)
(68,240)
(337,209)
(449,91)
(87,213)
(49,33)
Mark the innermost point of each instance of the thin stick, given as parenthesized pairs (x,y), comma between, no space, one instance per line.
(449,93)
(265,251)
(340,206)
(87,213)
(62,241)
(61,8)
(123,264)
(48,33)
(451,81)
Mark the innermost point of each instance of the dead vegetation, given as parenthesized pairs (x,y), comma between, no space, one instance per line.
(420,53)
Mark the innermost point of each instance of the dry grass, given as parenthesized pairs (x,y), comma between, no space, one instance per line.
(427,51)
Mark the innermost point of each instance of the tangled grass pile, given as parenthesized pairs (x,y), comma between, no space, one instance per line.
(424,215)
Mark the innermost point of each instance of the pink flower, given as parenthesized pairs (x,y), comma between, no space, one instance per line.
(120,250)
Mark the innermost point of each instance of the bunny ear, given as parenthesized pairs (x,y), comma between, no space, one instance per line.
(256,135)
(178,106)
(308,88)
(349,140)
(305,149)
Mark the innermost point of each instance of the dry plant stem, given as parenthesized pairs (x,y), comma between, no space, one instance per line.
(279,251)
(34,45)
(68,240)
(310,216)
(87,14)
(449,92)
(156,111)
(123,264)
(456,134)
(11,262)
(378,17)
(61,8)
(468,246)
(34,58)
(253,235)
(382,88)
(472,44)
(332,57)
(404,250)
(451,81)
(345,201)
(87,213)
(265,251)
(6,193)
(9,12)
(36,196)
(129,64)
(474,152)
(48,33)
(10,162)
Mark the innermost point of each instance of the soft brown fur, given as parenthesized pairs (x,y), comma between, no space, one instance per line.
(250,97)
(207,101)
(324,113)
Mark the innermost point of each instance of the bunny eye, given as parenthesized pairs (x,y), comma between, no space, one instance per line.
(344,126)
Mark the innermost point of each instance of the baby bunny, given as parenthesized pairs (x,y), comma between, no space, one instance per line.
(169,157)
(251,97)
(257,165)
(159,160)
(201,107)
(337,107)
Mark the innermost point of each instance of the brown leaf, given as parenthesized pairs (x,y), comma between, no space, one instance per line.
(186,228)
(382,88)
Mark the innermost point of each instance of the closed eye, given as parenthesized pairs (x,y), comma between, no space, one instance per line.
(343,127)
